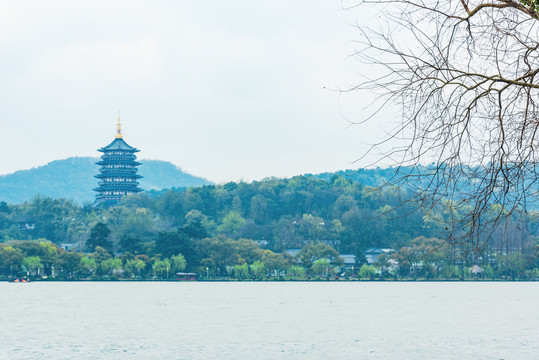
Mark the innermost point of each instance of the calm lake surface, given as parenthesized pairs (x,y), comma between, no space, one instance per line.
(269,320)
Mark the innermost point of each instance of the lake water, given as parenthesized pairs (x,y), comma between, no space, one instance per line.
(269,320)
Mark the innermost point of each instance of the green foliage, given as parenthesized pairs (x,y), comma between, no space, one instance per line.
(4,208)
(231,223)
(131,222)
(275,263)
(178,263)
(99,236)
(162,268)
(488,273)
(131,245)
(32,264)
(296,272)
(512,266)
(10,260)
(134,266)
(110,266)
(531,4)
(196,225)
(257,269)
(100,255)
(48,254)
(312,252)
(285,213)
(241,272)
(452,272)
(69,262)
(214,227)
(320,267)
(172,243)
(51,217)
(367,272)
(88,265)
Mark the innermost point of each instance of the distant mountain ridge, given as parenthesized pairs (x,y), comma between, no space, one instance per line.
(73,178)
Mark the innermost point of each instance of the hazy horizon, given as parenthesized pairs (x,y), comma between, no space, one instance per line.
(178,166)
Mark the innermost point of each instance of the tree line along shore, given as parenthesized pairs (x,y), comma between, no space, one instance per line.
(299,228)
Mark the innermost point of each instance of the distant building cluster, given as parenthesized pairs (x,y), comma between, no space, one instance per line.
(350,260)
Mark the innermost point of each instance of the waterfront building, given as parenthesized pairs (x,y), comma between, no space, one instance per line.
(372,254)
(181,276)
(118,173)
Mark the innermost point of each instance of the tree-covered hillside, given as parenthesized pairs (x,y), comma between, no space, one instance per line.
(239,229)
(73,178)
(279,213)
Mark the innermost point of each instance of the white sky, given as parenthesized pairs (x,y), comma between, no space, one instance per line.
(227,90)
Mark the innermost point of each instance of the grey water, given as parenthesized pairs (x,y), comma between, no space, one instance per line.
(269,320)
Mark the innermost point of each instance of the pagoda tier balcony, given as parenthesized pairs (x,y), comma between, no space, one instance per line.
(115,191)
(119,163)
(115,186)
(107,198)
(118,153)
(124,171)
(106,175)
(119,170)
(111,177)
(118,156)
(118,183)
(115,158)
(118,178)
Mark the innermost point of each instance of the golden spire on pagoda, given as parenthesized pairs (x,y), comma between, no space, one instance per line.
(119,133)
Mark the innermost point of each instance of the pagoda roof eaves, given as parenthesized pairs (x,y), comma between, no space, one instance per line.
(118,144)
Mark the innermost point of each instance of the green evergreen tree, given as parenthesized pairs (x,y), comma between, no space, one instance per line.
(99,236)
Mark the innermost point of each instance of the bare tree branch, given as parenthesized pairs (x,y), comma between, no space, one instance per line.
(464,75)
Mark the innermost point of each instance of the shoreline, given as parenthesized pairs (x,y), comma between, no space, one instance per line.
(273,280)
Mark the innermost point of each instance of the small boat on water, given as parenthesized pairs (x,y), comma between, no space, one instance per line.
(19,280)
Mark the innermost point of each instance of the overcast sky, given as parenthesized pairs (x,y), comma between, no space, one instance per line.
(227,90)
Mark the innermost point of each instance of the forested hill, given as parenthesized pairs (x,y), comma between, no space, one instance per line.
(371,177)
(73,178)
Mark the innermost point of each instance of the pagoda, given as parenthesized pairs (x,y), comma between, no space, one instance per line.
(118,173)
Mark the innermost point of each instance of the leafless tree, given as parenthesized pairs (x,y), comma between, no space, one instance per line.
(464,73)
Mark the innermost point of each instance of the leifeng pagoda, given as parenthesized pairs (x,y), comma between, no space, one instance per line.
(118,173)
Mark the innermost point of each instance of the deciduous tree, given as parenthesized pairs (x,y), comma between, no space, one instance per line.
(178,262)
(464,75)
